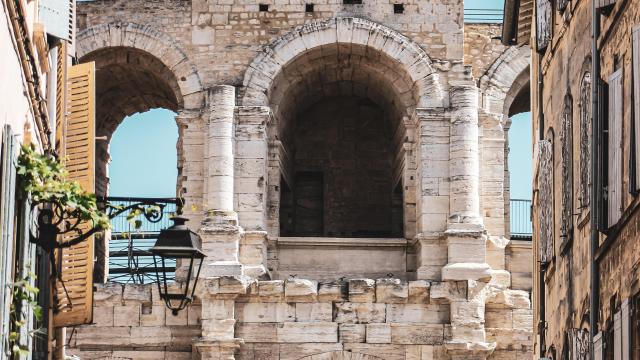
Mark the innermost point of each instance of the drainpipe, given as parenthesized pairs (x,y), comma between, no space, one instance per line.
(596,181)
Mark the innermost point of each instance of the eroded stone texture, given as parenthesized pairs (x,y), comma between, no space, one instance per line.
(380,133)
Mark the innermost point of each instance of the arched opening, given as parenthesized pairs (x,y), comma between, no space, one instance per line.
(518,165)
(138,156)
(341,116)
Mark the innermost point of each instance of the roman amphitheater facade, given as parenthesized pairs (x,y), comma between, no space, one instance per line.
(345,167)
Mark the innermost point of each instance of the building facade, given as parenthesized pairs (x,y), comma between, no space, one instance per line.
(585,114)
(345,166)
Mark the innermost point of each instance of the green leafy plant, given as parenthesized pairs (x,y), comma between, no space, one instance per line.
(45,179)
(24,301)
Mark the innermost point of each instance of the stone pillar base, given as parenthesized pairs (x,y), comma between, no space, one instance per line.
(466,271)
(216,350)
(467,254)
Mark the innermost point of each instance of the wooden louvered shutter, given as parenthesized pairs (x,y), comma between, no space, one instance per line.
(546,200)
(544,24)
(617,336)
(597,347)
(61,97)
(614,187)
(7,229)
(75,264)
(636,101)
(626,333)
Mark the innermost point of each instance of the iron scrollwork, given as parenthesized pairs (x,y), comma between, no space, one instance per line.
(59,226)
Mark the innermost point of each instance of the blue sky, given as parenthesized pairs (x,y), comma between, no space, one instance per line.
(143,149)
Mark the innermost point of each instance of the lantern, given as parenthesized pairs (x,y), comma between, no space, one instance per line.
(181,245)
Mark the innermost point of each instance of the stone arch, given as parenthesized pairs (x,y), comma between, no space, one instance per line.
(340,355)
(352,66)
(505,80)
(188,85)
(261,74)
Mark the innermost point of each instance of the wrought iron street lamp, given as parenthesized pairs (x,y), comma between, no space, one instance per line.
(181,245)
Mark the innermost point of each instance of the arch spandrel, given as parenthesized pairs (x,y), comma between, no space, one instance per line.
(263,72)
(157,44)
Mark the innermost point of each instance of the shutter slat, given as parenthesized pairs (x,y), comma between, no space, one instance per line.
(636,100)
(75,306)
(614,187)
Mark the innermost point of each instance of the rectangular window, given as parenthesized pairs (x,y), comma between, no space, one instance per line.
(308,8)
(352,2)
(398,8)
(636,105)
(614,183)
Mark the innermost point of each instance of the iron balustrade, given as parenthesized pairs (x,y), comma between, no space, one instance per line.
(129,258)
(520,219)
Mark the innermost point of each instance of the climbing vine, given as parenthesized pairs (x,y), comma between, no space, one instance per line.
(24,302)
(45,179)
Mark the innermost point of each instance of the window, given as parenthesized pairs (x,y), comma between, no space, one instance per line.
(566,140)
(263,7)
(308,8)
(614,179)
(352,2)
(398,8)
(545,193)
(585,140)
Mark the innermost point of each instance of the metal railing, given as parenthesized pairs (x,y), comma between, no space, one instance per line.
(520,219)
(129,258)
(483,15)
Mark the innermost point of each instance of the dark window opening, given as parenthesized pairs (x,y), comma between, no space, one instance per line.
(263,7)
(343,174)
(398,8)
(352,2)
(308,8)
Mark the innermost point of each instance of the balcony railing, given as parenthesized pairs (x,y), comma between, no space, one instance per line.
(129,258)
(520,219)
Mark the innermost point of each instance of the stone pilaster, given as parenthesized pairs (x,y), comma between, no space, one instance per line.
(466,239)
(220,231)
(432,200)
(218,318)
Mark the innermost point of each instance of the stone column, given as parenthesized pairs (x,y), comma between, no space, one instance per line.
(220,151)
(220,231)
(466,240)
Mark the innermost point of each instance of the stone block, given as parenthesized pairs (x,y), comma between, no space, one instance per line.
(256,332)
(352,333)
(213,309)
(103,315)
(335,291)
(295,351)
(265,312)
(314,312)
(378,333)
(417,334)
(300,290)
(271,291)
(378,351)
(319,332)
(126,315)
(136,293)
(419,292)
(418,313)
(154,317)
(360,313)
(150,336)
(392,291)
(362,290)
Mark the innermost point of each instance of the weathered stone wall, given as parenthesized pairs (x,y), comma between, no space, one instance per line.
(620,256)
(386,318)
(567,276)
